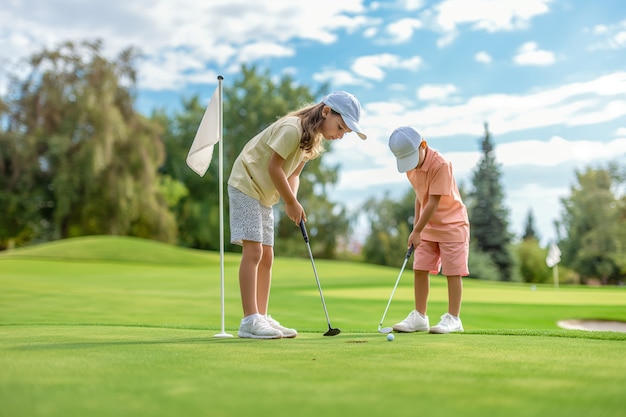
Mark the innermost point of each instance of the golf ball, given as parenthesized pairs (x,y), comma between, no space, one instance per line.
(390,337)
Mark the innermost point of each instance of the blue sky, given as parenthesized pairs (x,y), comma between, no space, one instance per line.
(548,76)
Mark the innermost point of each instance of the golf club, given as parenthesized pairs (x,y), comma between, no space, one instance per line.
(390,329)
(331,331)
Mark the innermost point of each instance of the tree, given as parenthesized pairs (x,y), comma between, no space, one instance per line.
(487,213)
(592,229)
(20,199)
(529,229)
(390,224)
(197,209)
(85,159)
(481,265)
(532,261)
(532,258)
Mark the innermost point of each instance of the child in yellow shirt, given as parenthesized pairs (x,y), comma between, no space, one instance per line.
(268,168)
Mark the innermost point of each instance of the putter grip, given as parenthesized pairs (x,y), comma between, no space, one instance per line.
(409,251)
(303,230)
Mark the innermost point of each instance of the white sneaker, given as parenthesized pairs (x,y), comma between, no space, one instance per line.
(414,322)
(448,324)
(286,331)
(255,326)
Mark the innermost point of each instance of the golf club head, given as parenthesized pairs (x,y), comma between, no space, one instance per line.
(385,330)
(332,332)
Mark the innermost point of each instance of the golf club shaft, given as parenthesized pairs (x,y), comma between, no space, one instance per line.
(305,235)
(406,258)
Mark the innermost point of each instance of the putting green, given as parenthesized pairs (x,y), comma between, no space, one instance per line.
(118,326)
(142,371)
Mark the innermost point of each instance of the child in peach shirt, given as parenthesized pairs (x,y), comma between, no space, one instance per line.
(440,233)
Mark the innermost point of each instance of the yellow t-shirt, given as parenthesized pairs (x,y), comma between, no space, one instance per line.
(250,173)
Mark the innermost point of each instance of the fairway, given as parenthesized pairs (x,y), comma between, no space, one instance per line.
(109,326)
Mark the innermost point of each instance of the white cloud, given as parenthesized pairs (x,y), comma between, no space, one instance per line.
(575,104)
(613,36)
(529,54)
(621,131)
(557,151)
(447,39)
(482,57)
(411,5)
(489,15)
(402,30)
(435,92)
(262,50)
(337,77)
(172,70)
(374,66)
(211,32)
(370,32)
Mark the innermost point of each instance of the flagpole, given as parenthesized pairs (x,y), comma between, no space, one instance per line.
(223,333)
(555,275)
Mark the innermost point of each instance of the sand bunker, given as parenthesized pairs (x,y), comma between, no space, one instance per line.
(594,325)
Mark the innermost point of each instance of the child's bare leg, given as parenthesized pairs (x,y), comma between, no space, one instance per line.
(264,279)
(248,273)
(421,287)
(455,293)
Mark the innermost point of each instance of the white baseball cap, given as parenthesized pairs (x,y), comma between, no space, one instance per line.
(348,107)
(405,142)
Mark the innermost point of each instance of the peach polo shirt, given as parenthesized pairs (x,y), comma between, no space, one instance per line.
(450,222)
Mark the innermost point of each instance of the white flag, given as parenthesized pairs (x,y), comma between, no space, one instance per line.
(554,256)
(208,134)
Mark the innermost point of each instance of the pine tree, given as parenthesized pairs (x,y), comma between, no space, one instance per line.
(488,215)
(529,229)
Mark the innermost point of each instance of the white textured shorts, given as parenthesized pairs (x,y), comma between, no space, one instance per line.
(249,219)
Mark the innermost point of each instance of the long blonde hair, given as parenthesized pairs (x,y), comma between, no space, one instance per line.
(312,141)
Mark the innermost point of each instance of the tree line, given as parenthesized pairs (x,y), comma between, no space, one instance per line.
(77,158)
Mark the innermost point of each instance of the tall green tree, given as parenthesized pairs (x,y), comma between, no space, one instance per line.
(251,102)
(487,213)
(592,229)
(88,160)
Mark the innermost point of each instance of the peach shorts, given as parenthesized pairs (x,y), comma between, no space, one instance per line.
(449,257)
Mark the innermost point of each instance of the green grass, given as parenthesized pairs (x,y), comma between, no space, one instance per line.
(108,326)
